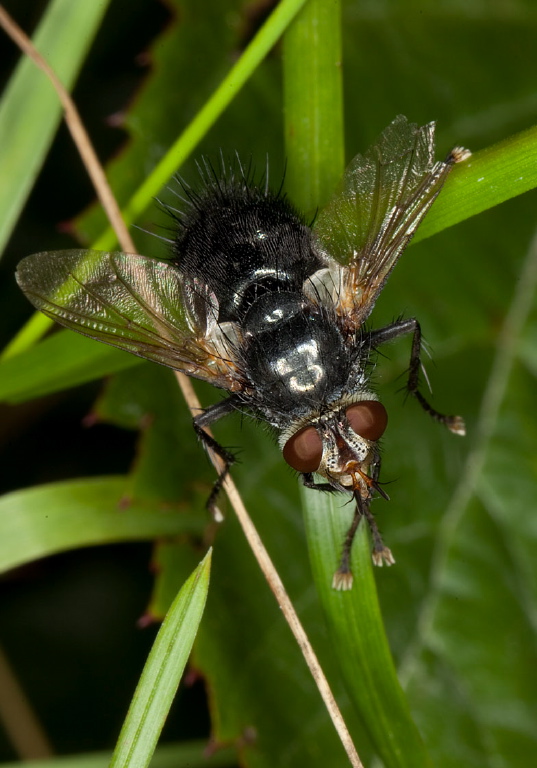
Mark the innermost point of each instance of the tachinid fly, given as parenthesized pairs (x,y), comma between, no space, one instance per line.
(271,310)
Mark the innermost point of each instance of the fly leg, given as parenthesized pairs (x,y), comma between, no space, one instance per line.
(309,482)
(200,423)
(453,423)
(343,578)
(381,554)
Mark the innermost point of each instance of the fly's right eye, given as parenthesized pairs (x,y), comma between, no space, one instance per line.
(303,451)
(368,418)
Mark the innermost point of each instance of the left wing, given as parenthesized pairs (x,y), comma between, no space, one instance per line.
(131,302)
(386,194)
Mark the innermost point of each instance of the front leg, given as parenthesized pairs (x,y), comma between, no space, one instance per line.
(381,554)
(400,328)
(200,422)
(309,482)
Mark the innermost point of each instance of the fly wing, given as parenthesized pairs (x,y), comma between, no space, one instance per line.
(385,195)
(131,302)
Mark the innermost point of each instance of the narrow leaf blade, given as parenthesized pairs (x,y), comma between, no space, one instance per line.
(162,673)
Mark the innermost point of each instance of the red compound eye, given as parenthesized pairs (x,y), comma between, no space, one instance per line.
(368,419)
(303,451)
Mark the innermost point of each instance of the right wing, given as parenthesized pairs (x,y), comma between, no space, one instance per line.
(385,196)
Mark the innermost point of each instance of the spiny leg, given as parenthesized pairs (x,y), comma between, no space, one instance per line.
(342,579)
(309,482)
(453,423)
(209,416)
(381,554)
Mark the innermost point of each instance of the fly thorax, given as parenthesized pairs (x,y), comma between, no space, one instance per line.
(293,349)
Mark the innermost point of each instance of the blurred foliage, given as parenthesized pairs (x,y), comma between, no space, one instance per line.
(459,605)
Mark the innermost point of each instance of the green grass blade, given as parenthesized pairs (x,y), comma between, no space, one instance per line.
(162,673)
(41,521)
(490,177)
(357,632)
(60,361)
(30,110)
(190,754)
(29,334)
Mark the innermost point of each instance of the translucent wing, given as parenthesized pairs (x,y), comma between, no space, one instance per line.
(385,195)
(129,301)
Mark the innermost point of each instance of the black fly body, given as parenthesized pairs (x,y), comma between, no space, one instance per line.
(273,311)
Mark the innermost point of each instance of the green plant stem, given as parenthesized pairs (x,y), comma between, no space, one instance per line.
(357,632)
(313,104)
(315,149)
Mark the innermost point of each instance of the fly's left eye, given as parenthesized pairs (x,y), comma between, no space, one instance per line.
(304,450)
(368,419)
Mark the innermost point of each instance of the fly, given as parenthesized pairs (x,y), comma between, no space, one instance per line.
(272,310)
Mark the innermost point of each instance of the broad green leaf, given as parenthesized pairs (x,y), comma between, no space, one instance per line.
(162,673)
(30,110)
(170,466)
